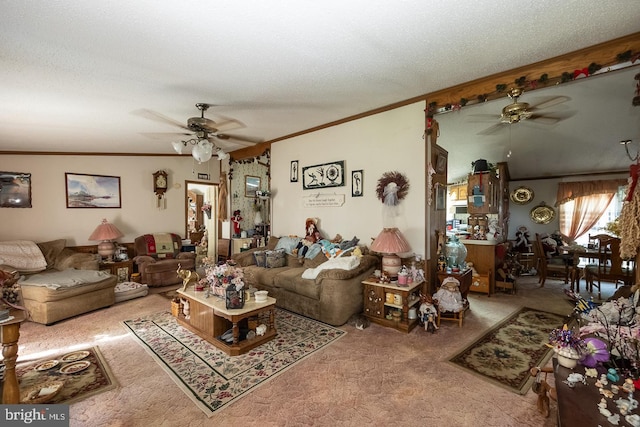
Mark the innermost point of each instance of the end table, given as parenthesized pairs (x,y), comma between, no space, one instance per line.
(121,269)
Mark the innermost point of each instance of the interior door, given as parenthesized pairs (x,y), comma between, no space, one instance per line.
(201,219)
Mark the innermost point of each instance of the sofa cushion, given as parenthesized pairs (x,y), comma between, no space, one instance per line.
(275,259)
(291,280)
(288,244)
(51,250)
(315,261)
(23,255)
(256,276)
(69,258)
(261,258)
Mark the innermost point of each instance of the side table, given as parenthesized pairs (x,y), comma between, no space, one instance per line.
(121,269)
(9,335)
(388,304)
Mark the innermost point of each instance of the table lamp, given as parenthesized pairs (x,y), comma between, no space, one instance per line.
(106,232)
(390,242)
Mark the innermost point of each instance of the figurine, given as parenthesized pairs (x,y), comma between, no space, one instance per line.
(428,313)
(187,277)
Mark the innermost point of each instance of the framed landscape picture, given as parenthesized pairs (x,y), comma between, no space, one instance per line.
(92,191)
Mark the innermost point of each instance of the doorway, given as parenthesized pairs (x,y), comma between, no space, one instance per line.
(201,217)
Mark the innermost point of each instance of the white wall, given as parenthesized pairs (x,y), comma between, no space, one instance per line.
(49,218)
(545,190)
(388,141)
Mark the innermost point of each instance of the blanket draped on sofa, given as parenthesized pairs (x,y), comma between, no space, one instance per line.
(23,255)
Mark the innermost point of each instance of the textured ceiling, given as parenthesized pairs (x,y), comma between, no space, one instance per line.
(75,76)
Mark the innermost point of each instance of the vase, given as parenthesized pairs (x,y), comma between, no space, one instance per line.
(568,357)
(257,220)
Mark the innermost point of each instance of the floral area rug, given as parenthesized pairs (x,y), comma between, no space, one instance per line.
(210,377)
(505,354)
(84,373)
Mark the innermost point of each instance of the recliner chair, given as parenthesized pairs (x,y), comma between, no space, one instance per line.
(158,257)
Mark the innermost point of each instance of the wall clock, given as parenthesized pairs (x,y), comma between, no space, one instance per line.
(522,195)
(160,187)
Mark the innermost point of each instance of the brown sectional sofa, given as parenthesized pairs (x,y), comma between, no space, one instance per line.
(332,297)
(47,305)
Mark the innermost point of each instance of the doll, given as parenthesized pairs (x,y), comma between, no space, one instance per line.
(236,222)
(312,235)
(448,297)
(428,313)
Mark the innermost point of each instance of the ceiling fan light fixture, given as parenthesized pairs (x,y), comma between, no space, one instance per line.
(221,154)
(202,151)
(178,146)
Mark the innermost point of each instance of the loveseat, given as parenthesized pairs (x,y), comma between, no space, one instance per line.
(334,295)
(57,282)
(158,256)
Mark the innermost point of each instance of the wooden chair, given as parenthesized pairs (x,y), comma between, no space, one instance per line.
(224,249)
(542,388)
(555,266)
(610,266)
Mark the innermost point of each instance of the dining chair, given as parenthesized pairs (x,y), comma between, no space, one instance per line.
(555,265)
(610,266)
(224,249)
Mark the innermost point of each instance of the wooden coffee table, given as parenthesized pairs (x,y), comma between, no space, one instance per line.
(209,318)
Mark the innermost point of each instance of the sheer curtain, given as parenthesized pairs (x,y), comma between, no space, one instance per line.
(581,204)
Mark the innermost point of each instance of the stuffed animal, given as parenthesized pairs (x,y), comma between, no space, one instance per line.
(346,244)
(522,244)
(357,252)
(330,250)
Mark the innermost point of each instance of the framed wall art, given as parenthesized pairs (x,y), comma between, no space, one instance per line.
(323,176)
(441,197)
(357,183)
(15,190)
(293,172)
(92,191)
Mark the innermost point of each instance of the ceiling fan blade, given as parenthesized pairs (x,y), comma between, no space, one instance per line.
(240,140)
(548,101)
(155,116)
(227,124)
(483,118)
(165,135)
(493,129)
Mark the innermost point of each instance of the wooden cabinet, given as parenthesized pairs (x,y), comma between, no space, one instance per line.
(483,194)
(388,304)
(238,243)
(485,257)
(458,192)
(121,269)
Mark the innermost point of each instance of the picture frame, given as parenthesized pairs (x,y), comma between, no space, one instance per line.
(251,185)
(92,191)
(357,182)
(324,175)
(441,163)
(293,171)
(441,197)
(203,176)
(15,190)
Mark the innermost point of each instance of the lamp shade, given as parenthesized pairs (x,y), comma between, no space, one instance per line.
(178,146)
(106,231)
(390,241)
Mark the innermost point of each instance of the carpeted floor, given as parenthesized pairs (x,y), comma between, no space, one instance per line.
(505,353)
(374,377)
(210,377)
(84,373)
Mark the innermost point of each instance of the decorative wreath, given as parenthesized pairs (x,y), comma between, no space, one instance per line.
(397,178)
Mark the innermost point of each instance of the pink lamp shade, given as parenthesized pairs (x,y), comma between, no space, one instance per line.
(105,232)
(389,242)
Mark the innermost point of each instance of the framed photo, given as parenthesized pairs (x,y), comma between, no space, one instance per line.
(357,183)
(293,172)
(441,197)
(323,176)
(441,163)
(203,176)
(251,185)
(92,191)
(15,190)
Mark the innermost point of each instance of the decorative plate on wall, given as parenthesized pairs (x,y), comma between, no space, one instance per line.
(542,214)
(522,195)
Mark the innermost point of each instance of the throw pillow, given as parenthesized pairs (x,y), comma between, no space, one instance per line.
(276,258)
(288,244)
(51,250)
(261,258)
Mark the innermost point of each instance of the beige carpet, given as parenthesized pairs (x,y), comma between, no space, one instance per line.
(373,377)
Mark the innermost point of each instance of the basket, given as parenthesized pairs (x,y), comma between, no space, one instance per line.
(176,307)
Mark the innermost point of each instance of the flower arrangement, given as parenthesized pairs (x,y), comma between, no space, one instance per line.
(566,342)
(206,208)
(219,276)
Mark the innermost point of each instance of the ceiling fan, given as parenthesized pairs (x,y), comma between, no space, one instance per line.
(517,112)
(202,132)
